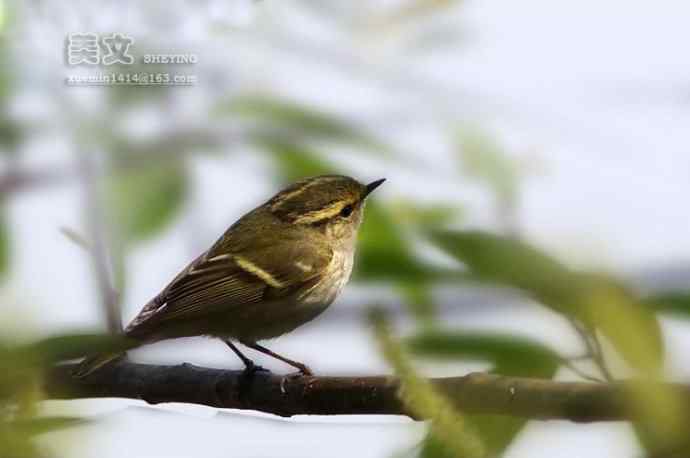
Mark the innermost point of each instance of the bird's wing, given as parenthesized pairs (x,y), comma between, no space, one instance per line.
(215,282)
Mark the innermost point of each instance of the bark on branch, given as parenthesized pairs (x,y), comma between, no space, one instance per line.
(287,396)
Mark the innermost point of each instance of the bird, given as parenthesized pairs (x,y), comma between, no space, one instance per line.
(276,268)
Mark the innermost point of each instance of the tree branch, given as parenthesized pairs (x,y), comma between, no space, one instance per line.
(287,396)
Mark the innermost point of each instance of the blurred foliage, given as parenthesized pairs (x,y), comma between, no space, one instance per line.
(6,74)
(509,355)
(412,10)
(11,131)
(70,346)
(10,137)
(145,200)
(22,366)
(596,300)
(385,253)
(676,303)
(3,15)
(662,418)
(424,400)
(173,146)
(294,161)
(10,134)
(486,162)
(419,299)
(296,122)
(483,159)
(423,217)
(5,247)
(126,96)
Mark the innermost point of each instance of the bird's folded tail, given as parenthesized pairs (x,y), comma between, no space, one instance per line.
(93,363)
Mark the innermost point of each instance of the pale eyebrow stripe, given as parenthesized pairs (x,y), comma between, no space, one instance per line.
(321,214)
(300,190)
(252,268)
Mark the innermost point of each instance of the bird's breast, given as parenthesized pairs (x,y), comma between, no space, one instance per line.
(333,280)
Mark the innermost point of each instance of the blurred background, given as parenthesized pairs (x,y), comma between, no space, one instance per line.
(561,125)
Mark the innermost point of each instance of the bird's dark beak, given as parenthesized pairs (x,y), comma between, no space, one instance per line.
(373,185)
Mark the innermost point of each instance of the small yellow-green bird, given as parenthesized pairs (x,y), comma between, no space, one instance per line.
(278,267)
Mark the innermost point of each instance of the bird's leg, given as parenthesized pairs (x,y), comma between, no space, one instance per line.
(249,366)
(304,370)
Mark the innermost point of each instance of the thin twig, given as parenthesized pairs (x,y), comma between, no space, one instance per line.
(95,233)
(593,348)
(76,238)
(599,357)
(579,372)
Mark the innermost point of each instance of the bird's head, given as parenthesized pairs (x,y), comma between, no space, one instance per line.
(332,204)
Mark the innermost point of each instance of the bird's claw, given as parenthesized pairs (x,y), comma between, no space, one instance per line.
(251,369)
(304,371)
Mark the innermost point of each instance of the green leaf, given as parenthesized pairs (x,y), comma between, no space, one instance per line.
(623,319)
(508,262)
(296,119)
(10,134)
(65,347)
(433,447)
(424,217)
(17,437)
(515,355)
(511,356)
(661,417)
(676,303)
(294,161)
(144,201)
(419,300)
(3,14)
(4,247)
(423,399)
(484,160)
(42,425)
(596,300)
(126,96)
(383,253)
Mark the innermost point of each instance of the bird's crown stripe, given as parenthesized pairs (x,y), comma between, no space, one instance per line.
(283,197)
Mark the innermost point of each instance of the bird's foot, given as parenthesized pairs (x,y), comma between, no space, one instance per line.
(304,371)
(294,377)
(250,369)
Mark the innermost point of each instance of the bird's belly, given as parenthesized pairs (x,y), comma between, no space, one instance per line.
(275,318)
(267,320)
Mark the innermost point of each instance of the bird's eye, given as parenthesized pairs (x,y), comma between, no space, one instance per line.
(346,211)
